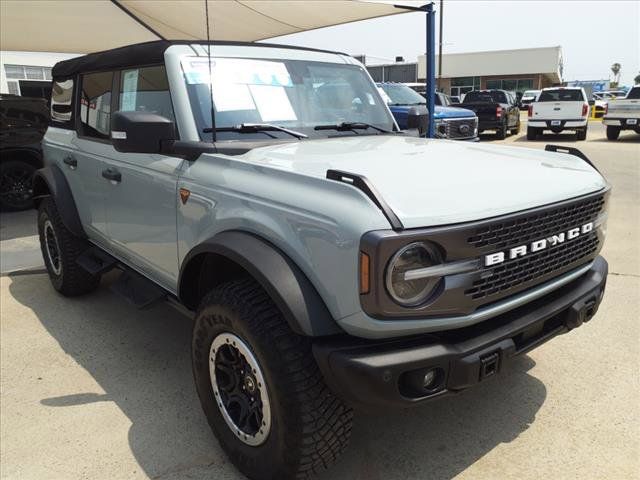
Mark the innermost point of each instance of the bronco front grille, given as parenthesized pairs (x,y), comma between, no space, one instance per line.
(534,227)
(526,271)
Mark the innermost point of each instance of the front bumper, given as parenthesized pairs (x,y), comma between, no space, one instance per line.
(389,373)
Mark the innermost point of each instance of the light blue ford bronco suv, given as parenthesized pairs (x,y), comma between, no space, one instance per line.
(329,260)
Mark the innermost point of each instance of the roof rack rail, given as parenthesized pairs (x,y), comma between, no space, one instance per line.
(571,151)
(362,183)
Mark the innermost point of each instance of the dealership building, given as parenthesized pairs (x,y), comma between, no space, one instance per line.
(517,70)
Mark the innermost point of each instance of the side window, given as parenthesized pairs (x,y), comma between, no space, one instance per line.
(95,104)
(61,96)
(145,89)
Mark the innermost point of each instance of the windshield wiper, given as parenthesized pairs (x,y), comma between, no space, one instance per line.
(347,126)
(255,128)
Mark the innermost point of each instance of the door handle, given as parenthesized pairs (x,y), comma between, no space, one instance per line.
(112,174)
(71,162)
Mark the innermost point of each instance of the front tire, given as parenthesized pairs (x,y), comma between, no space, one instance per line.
(60,251)
(613,132)
(279,421)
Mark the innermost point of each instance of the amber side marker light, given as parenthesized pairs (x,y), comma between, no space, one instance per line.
(364,273)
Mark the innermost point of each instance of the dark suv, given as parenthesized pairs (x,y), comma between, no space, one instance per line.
(23,121)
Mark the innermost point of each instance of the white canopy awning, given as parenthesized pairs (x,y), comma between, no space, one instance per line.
(82,26)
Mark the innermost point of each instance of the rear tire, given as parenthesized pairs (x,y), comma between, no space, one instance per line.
(582,134)
(532,133)
(304,427)
(501,133)
(613,132)
(60,250)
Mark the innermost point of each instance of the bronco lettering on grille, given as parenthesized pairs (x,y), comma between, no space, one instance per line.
(523,250)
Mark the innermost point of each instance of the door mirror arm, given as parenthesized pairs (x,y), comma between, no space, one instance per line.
(189,150)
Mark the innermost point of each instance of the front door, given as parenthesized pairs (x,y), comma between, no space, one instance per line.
(141,197)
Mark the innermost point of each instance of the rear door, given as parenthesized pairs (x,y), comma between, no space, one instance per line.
(141,199)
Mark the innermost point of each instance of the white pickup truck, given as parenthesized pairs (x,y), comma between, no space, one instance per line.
(623,114)
(558,109)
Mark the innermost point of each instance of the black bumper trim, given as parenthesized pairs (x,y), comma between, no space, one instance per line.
(369,373)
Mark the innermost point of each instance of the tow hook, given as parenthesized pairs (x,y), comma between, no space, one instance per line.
(580,312)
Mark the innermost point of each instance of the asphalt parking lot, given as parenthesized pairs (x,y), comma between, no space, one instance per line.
(92,388)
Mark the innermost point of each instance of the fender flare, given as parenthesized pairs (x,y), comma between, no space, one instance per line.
(51,182)
(289,288)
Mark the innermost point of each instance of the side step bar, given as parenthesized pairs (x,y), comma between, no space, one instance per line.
(96,261)
(138,290)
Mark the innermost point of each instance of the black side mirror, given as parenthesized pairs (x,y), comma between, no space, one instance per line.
(141,132)
(592,102)
(418,118)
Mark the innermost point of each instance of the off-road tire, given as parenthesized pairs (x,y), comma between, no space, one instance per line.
(501,133)
(71,280)
(16,174)
(310,426)
(532,133)
(581,134)
(516,131)
(613,132)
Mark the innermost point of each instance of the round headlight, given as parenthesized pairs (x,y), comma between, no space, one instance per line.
(410,293)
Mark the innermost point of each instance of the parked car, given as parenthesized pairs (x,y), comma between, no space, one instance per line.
(451,123)
(496,110)
(441,98)
(329,260)
(559,109)
(528,96)
(623,114)
(23,121)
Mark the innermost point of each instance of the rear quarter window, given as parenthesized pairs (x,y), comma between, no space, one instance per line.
(61,99)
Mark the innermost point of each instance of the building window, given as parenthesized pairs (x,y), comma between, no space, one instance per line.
(511,85)
(14,88)
(462,85)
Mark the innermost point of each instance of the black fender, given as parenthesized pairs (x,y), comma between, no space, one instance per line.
(289,288)
(51,182)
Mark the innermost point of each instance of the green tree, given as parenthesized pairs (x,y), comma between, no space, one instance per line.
(636,80)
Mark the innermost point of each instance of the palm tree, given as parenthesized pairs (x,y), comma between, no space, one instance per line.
(615,68)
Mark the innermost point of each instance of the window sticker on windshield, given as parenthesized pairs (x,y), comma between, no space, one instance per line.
(129,89)
(273,103)
(238,71)
(230,96)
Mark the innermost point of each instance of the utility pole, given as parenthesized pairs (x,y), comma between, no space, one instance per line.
(440,48)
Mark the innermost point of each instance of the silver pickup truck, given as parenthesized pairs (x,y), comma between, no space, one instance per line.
(329,260)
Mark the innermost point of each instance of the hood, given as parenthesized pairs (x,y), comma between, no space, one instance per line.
(439,182)
(452,112)
(438,112)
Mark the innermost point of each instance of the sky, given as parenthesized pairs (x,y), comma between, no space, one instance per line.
(593,34)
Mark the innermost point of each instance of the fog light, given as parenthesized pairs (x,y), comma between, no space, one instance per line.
(429,379)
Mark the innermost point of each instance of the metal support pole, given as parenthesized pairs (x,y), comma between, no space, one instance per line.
(430,57)
(440,16)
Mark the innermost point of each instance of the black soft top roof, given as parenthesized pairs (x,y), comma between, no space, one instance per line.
(141,54)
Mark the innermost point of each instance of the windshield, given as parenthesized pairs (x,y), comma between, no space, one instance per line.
(561,95)
(480,96)
(402,95)
(294,94)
